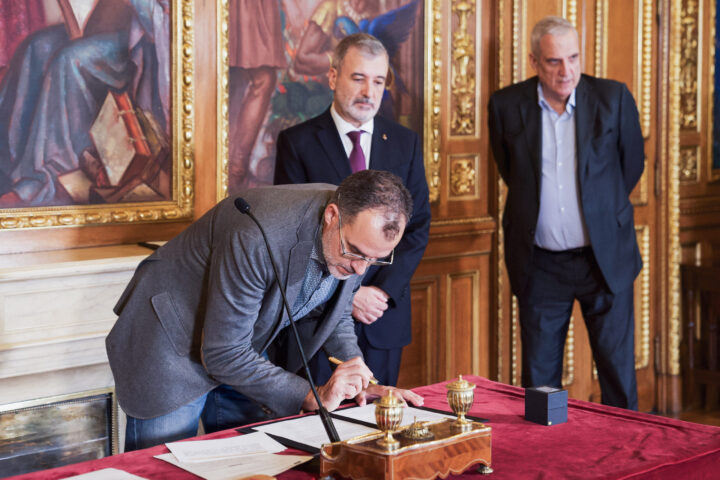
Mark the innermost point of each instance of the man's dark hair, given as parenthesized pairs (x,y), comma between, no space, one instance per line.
(364,42)
(375,189)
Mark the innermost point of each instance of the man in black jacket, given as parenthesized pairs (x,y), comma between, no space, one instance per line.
(348,137)
(570,149)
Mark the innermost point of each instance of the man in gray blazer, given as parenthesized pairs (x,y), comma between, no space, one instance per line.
(202,332)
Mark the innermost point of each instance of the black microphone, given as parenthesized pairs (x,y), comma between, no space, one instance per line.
(244,208)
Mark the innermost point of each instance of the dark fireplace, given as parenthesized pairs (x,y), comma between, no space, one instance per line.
(56,431)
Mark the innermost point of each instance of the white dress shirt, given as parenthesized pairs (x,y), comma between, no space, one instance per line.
(343,127)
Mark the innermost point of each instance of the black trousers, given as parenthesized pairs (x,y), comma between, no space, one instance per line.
(556,281)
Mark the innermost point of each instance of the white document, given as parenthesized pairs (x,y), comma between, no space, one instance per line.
(204,450)
(366,413)
(234,468)
(106,474)
(309,430)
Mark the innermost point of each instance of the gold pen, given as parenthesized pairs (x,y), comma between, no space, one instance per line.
(336,361)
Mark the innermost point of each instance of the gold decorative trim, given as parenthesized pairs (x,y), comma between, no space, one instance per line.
(501,43)
(570,11)
(183,146)
(690,66)
(463,221)
(463,72)
(645,26)
(689,160)
(568,374)
(433,90)
(642,345)
(713,173)
(463,176)
(519,16)
(223,98)
(673,219)
(601,37)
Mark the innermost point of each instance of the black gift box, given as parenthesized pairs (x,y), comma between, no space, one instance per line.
(546,405)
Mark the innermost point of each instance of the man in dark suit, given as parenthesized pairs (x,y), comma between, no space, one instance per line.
(202,332)
(570,150)
(350,137)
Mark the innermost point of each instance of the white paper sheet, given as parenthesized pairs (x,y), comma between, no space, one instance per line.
(204,450)
(106,474)
(234,468)
(310,431)
(366,413)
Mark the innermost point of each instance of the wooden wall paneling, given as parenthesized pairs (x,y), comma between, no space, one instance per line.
(458,266)
(699,184)
(452,307)
(419,361)
(206,94)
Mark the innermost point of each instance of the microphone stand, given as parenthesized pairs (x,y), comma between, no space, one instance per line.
(327,422)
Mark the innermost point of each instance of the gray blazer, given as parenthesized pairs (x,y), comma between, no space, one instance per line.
(201,310)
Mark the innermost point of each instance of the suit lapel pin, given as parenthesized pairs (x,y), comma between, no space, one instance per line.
(384,137)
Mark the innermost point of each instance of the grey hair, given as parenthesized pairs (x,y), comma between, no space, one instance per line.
(548,25)
(362,41)
(375,190)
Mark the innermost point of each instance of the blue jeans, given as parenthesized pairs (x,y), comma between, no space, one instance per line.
(219,409)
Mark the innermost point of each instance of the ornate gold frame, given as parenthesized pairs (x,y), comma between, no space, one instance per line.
(431,100)
(181,205)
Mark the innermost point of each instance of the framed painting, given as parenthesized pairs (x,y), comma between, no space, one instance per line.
(273,61)
(96,123)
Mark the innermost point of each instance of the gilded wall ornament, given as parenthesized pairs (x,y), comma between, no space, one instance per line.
(689,66)
(463,72)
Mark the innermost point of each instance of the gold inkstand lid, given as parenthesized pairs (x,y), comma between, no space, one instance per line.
(418,431)
(460,385)
(389,400)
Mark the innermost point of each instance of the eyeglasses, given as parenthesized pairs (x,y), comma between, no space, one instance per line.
(356,256)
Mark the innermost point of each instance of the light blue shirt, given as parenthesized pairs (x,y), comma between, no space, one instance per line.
(561,224)
(318,284)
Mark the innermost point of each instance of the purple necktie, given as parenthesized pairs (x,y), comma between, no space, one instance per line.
(357,157)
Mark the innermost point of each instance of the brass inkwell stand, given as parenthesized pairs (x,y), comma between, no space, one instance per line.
(422,450)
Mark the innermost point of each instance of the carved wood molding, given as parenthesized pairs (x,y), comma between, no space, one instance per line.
(223,100)
(642,331)
(689,160)
(463,176)
(433,90)
(462,81)
(671,279)
(690,67)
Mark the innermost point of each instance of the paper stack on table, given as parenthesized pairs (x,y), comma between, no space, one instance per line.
(106,474)
(233,457)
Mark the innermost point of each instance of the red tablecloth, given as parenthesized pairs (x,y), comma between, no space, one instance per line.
(596,442)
